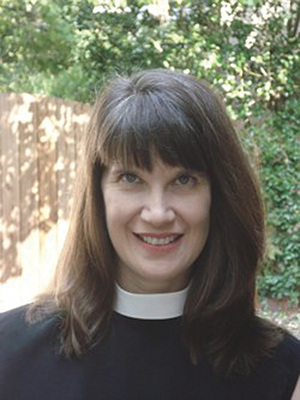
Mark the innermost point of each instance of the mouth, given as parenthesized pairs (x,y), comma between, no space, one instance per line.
(158,240)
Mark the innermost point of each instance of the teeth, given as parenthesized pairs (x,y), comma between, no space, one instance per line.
(158,241)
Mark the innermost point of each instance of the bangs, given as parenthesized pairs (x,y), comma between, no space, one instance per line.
(144,126)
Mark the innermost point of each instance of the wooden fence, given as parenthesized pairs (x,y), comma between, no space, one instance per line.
(39,147)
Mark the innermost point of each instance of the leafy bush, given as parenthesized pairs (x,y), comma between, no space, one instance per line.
(278,141)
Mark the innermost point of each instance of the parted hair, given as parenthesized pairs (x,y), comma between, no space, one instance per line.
(180,119)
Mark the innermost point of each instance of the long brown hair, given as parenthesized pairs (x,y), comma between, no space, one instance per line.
(181,119)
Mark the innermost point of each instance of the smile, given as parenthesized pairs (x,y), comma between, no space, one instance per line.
(158,241)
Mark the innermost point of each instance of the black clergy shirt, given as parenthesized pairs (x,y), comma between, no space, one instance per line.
(138,360)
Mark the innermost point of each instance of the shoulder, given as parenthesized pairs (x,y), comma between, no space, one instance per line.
(14,317)
(288,353)
(283,368)
(12,322)
(17,335)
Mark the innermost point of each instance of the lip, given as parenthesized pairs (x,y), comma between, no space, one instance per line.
(158,235)
(161,248)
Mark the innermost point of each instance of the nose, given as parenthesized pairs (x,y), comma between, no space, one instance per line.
(157,209)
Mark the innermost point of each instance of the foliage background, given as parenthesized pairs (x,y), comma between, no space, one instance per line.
(247,49)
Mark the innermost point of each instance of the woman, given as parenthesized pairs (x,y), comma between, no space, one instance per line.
(155,288)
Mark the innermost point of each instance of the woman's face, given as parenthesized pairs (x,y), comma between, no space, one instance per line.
(158,223)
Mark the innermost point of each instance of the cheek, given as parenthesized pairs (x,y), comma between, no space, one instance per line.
(113,214)
(118,210)
(198,212)
(200,226)
(199,222)
(111,209)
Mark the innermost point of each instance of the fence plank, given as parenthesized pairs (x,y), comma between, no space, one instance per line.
(11,267)
(47,157)
(10,190)
(29,202)
(66,169)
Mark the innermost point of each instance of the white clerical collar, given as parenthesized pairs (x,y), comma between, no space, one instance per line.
(150,306)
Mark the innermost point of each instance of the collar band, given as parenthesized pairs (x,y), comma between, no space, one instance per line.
(150,306)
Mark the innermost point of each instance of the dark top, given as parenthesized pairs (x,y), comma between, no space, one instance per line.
(138,360)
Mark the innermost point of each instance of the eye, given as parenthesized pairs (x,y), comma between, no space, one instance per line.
(129,177)
(185,179)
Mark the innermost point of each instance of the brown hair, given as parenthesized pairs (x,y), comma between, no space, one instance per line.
(185,123)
